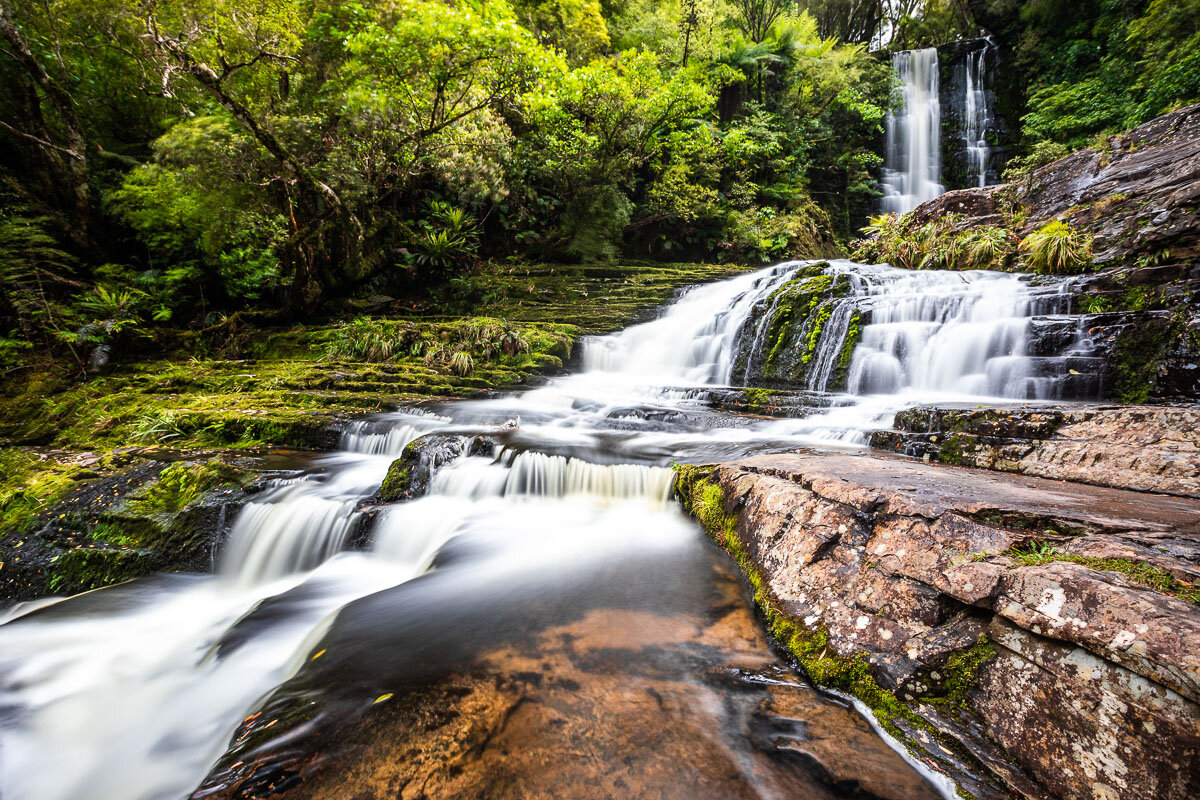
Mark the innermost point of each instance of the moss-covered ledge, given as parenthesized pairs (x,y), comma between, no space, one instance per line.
(867,570)
(808,643)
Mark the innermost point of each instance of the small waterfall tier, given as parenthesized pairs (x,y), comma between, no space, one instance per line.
(879,330)
(912,171)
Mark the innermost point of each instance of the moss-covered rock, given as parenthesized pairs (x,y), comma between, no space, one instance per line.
(128,517)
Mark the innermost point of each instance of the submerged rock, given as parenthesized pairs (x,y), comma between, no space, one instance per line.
(986,609)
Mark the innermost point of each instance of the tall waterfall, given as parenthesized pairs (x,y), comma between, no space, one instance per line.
(977,117)
(912,171)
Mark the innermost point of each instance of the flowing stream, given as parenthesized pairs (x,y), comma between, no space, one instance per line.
(562,521)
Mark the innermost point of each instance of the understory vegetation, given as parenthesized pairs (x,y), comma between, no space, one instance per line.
(950,242)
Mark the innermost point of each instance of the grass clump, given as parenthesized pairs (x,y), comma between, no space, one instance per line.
(938,244)
(1057,249)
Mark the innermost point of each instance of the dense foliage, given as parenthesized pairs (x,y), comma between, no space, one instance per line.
(1085,68)
(179,161)
(185,159)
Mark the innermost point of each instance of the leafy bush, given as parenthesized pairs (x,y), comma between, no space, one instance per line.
(938,244)
(1057,248)
(447,240)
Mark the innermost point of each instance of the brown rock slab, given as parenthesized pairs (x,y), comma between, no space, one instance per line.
(1094,688)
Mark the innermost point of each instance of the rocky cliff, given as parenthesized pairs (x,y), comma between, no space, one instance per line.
(1033,638)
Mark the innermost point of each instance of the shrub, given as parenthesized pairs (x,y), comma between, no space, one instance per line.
(987,247)
(462,363)
(1058,249)
(1043,153)
(365,339)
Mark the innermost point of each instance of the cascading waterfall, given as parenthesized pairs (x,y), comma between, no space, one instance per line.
(955,333)
(977,116)
(134,700)
(912,171)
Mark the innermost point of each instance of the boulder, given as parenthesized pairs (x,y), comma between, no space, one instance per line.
(1014,616)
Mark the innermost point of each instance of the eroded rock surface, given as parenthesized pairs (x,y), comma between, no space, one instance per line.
(1092,683)
(1151,448)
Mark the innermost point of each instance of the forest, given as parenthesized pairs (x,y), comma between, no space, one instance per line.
(173,163)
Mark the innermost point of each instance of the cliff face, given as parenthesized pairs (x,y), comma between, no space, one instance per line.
(1065,668)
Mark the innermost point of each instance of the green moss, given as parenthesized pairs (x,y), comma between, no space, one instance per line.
(399,477)
(30,485)
(958,449)
(794,304)
(846,355)
(179,485)
(810,646)
(1138,353)
(961,671)
(1139,572)
(815,327)
(80,570)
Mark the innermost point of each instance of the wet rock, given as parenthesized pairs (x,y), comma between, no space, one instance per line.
(410,474)
(1151,448)
(1087,685)
(160,512)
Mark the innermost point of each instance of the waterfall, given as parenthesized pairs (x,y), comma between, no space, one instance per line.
(534,474)
(931,333)
(977,117)
(912,171)
(299,524)
(134,691)
(953,332)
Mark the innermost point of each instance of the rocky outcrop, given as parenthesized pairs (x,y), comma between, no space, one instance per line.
(1150,448)
(409,475)
(1139,194)
(1047,630)
(151,511)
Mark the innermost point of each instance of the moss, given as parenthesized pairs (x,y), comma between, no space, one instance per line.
(1139,572)
(846,355)
(399,477)
(961,671)
(810,646)
(815,327)
(794,304)
(758,400)
(957,449)
(80,570)
(1138,354)
(29,485)
(179,485)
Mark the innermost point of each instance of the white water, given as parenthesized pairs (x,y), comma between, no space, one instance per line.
(912,171)
(131,693)
(977,116)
